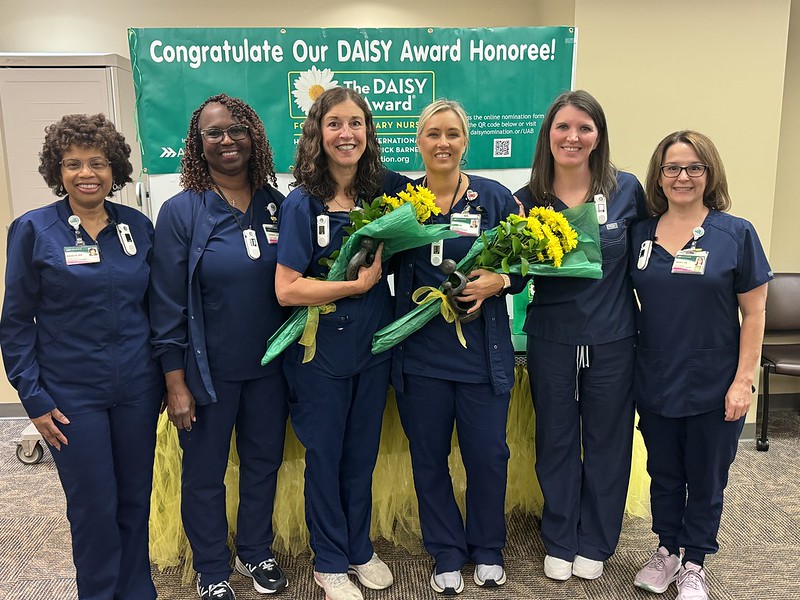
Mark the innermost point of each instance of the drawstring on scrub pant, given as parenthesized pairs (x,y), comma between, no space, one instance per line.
(581,362)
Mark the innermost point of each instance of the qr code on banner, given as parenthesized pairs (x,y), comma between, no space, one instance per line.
(502,148)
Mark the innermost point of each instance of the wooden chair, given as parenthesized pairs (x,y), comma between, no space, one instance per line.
(780,353)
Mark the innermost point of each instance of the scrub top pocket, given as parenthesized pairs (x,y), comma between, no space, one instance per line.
(614,241)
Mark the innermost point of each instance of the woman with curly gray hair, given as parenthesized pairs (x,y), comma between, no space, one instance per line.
(75,340)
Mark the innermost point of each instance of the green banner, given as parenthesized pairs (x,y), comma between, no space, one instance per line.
(505,78)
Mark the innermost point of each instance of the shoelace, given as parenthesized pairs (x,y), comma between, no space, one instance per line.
(335,579)
(268,564)
(217,590)
(658,561)
(691,579)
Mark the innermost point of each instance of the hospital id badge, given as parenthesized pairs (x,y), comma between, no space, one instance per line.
(466,224)
(81,255)
(690,262)
(271,233)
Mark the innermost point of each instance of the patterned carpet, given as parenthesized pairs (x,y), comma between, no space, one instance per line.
(759,540)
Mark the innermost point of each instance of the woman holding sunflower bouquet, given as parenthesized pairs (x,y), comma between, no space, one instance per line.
(439,383)
(581,337)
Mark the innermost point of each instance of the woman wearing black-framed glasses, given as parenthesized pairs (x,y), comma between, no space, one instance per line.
(213,304)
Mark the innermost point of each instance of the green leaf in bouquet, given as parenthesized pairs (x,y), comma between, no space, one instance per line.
(523,266)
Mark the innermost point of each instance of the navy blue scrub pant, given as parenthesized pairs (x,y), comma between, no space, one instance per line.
(688,459)
(428,409)
(584,496)
(338,421)
(258,409)
(107,474)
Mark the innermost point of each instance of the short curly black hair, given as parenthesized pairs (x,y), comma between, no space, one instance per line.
(84,131)
(261,168)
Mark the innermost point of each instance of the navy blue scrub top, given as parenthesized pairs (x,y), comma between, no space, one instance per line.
(76,337)
(688,349)
(344,337)
(240,309)
(434,351)
(576,311)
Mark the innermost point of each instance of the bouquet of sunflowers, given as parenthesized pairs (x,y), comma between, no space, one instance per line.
(546,242)
(394,220)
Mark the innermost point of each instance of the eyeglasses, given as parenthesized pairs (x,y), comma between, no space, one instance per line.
(75,165)
(214,135)
(673,171)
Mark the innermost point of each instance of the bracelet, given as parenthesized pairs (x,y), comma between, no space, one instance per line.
(506,283)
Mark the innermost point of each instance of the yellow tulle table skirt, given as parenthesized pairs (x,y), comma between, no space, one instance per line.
(394,502)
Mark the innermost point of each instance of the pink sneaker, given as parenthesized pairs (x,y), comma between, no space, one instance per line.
(692,583)
(658,572)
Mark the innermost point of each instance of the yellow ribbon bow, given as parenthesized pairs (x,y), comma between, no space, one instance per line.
(309,337)
(449,314)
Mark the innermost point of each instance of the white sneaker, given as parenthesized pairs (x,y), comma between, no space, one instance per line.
(489,575)
(374,574)
(337,586)
(557,569)
(449,583)
(586,568)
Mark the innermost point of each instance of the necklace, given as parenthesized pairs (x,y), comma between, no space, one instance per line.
(455,192)
(340,205)
(232,201)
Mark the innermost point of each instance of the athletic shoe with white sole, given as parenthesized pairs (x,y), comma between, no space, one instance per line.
(489,575)
(586,568)
(215,591)
(337,586)
(448,583)
(374,574)
(556,568)
(660,570)
(692,583)
(267,576)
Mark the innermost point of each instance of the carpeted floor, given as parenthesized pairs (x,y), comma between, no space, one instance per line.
(759,540)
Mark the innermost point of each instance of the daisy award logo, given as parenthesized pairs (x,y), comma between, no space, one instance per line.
(309,85)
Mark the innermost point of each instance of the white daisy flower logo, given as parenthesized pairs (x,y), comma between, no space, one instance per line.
(310,84)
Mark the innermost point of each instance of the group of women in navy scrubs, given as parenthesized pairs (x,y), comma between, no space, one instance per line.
(77,317)
(695,268)
(75,338)
(581,343)
(213,306)
(439,384)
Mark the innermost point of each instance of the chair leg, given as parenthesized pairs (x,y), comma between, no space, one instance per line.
(762,443)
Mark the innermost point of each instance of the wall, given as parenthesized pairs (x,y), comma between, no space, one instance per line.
(717,66)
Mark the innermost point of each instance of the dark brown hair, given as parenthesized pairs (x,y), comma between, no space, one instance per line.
(604,173)
(715,195)
(311,162)
(261,169)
